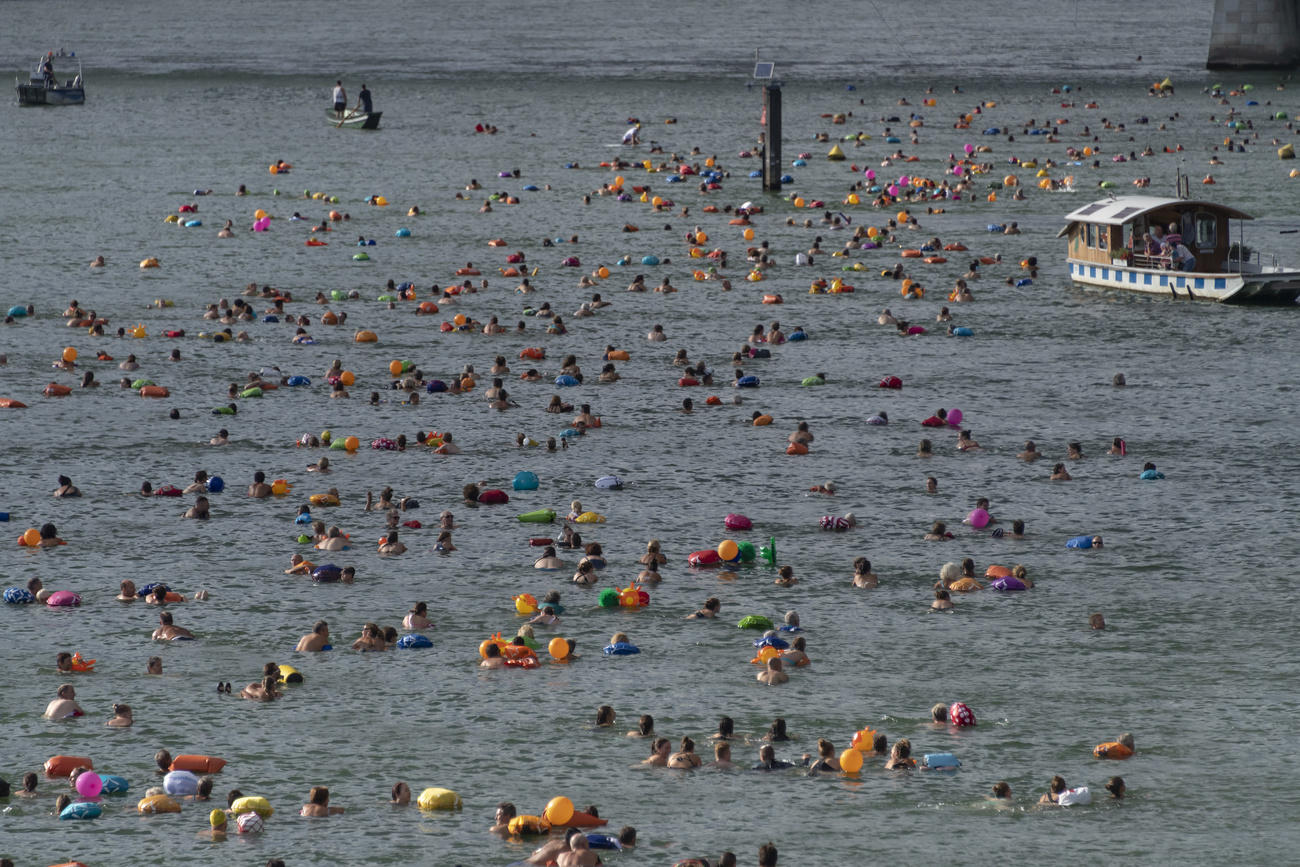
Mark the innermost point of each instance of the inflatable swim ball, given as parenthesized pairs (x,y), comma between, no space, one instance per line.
(215,484)
(526,481)
(850,761)
(559,810)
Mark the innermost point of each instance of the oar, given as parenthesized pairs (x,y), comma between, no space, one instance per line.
(345,117)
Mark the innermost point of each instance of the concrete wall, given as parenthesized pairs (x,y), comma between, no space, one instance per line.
(1255,34)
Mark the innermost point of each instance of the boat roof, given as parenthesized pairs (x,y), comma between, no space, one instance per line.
(1124,209)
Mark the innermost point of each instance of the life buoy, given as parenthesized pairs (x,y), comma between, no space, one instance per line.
(10,403)
(61,766)
(955,247)
(313,242)
(198,764)
(934,260)
(687,381)
(773,299)
(911,254)
(796,449)
(54,389)
(617,355)
(366,337)
(621,648)
(155,391)
(762,420)
(536,353)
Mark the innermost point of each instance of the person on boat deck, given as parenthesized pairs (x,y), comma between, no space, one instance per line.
(363,100)
(1185,258)
(47,69)
(340,98)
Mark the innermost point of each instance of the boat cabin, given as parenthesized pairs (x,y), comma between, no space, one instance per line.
(1120,231)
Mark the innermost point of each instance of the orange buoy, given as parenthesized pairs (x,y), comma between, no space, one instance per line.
(796,449)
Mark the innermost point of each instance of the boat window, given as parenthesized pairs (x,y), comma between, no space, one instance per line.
(1090,236)
(1207,228)
(1103,237)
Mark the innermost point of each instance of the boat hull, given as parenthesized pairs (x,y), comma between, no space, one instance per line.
(38,94)
(354,121)
(1264,287)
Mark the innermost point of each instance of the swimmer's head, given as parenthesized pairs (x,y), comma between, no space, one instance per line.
(217,818)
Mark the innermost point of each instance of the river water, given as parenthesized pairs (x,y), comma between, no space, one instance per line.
(1195,661)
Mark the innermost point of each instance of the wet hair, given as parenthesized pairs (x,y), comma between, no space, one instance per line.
(646,725)
(727,727)
(1115,785)
(767,855)
(939,713)
(319,795)
(604,715)
(1057,784)
(1002,789)
(777,731)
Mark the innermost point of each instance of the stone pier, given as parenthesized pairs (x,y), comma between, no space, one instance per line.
(1255,34)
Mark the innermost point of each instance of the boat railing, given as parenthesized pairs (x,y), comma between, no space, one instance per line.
(1141,260)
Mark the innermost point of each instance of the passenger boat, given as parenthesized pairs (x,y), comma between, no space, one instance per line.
(1107,249)
(351,120)
(37,92)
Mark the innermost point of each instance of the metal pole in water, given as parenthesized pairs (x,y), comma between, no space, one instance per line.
(772,144)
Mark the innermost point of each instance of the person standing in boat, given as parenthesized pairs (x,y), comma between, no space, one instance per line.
(47,68)
(340,99)
(364,104)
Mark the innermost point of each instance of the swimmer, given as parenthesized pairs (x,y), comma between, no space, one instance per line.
(710,610)
(417,617)
(767,760)
(586,575)
(900,757)
(316,640)
(942,601)
(390,545)
(66,488)
(938,533)
(645,727)
(863,577)
(931,485)
(1059,474)
(1074,452)
(785,577)
(1116,787)
(650,574)
(154,665)
(826,760)
(824,488)
(492,657)
(721,757)
(1030,452)
(965,442)
(773,674)
(1054,790)
(318,804)
(371,639)
(924,450)
(64,705)
(122,717)
(504,813)
(169,631)
(127,591)
(1097,622)
(685,757)
(796,656)
(660,750)
(266,689)
(1001,792)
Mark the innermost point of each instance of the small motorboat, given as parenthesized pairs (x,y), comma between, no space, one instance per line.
(353,119)
(41,91)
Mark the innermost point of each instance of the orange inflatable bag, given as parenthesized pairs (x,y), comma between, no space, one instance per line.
(1111,750)
(61,766)
(198,764)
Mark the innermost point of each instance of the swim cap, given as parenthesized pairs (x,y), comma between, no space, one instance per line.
(249,823)
(325,436)
(217,818)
